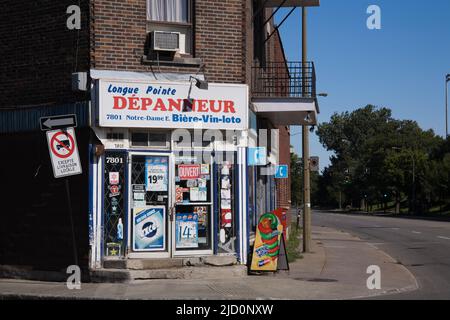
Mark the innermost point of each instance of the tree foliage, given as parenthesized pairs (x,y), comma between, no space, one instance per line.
(376,159)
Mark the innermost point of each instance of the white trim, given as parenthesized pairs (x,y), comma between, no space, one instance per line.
(242,204)
(99,204)
(93,178)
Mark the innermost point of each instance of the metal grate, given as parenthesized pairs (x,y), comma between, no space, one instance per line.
(114,204)
(165,40)
(284,79)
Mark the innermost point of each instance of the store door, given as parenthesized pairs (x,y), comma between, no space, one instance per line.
(192,232)
(150,202)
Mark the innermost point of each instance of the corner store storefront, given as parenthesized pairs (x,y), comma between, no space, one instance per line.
(170,179)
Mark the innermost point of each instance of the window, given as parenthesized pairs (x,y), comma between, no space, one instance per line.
(114,136)
(150,139)
(172,16)
(168,10)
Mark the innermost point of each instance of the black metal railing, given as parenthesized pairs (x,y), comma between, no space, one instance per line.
(284,80)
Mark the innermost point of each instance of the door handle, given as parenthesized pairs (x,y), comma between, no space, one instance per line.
(172,209)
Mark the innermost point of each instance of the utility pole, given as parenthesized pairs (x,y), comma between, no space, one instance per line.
(447,80)
(305,147)
(413,182)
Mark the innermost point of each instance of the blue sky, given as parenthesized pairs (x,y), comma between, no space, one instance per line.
(402,66)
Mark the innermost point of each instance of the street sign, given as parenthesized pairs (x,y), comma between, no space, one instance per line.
(58,122)
(314,164)
(63,149)
(281,171)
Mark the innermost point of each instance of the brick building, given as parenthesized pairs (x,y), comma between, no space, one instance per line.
(144,79)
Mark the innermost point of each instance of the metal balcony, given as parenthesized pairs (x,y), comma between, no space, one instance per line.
(285,92)
(284,80)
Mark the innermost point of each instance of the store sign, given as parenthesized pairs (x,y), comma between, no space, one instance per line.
(149,229)
(166,105)
(189,171)
(156,173)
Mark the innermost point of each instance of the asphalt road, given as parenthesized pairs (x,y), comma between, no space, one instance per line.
(422,246)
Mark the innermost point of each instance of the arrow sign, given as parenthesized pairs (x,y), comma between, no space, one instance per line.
(58,122)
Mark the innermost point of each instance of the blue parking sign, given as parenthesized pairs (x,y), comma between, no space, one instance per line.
(281,171)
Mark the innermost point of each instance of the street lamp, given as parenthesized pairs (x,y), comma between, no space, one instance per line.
(447,80)
(413,177)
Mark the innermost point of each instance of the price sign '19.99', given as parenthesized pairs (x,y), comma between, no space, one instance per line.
(156,173)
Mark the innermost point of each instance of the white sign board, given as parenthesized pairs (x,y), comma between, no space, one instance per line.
(62,145)
(163,105)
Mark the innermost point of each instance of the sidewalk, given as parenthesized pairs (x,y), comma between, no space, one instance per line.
(336,269)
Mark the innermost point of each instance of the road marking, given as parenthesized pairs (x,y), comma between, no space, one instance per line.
(442,237)
(395,228)
(416,232)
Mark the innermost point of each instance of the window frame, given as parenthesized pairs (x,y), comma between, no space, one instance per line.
(168,23)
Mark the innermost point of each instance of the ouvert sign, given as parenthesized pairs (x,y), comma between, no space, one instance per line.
(172,105)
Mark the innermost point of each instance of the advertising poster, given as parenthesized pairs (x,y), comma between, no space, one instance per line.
(267,243)
(149,229)
(186,230)
(156,173)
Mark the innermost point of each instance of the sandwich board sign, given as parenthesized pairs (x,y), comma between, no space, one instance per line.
(62,145)
(269,239)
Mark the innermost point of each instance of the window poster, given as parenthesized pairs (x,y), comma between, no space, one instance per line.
(188,171)
(201,213)
(202,194)
(149,229)
(194,194)
(186,225)
(204,168)
(156,173)
(138,196)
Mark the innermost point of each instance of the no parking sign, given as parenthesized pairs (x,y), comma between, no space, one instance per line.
(63,149)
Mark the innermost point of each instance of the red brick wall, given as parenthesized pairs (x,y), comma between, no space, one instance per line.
(39,52)
(119,29)
(284,185)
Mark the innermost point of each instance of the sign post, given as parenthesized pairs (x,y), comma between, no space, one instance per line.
(65,159)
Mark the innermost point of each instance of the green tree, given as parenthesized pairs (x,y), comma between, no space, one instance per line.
(374,156)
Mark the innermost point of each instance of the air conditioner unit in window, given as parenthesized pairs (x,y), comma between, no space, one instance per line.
(165,41)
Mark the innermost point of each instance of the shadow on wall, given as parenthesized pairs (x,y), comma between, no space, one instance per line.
(35,227)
